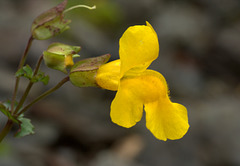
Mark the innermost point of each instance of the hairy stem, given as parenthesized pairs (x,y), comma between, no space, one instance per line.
(66,79)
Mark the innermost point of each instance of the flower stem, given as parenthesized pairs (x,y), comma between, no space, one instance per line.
(6,129)
(44,95)
(30,84)
(21,63)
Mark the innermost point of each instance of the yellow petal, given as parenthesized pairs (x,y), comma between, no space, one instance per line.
(166,120)
(150,26)
(138,47)
(149,85)
(108,75)
(126,108)
(68,61)
(135,89)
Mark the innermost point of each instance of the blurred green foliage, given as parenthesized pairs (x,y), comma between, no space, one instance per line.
(107,15)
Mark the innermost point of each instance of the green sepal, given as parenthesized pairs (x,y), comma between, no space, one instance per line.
(63,49)
(56,56)
(83,73)
(50,23)
(25,127)
(54,61)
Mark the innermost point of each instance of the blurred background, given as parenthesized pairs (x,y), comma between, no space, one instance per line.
(199,57)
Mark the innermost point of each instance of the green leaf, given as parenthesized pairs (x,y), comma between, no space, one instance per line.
(26,71)
(40,77)
(26,127)
(44,79)
(25,124)
(5,109)
(20,73)
(8,103)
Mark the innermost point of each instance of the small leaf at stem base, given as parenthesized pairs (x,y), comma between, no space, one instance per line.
(26,127)
(5,109)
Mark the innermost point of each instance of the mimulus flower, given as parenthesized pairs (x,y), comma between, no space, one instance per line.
(139,88)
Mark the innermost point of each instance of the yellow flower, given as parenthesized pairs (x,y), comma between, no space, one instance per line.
(138,87)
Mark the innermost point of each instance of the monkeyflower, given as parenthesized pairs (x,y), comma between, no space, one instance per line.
(138,87)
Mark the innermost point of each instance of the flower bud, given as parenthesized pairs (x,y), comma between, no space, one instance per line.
(83,73)
(60,56)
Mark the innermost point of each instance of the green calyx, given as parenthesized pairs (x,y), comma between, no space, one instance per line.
(60,56)
(83,73)
(50,23)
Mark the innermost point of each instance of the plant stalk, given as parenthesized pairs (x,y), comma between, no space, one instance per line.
(66,79)
(30,84)
(21,63)
(6,129)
